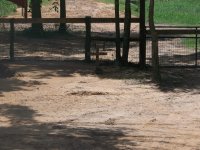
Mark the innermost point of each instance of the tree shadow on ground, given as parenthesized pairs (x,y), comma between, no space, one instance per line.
(20,130)
(173,79)
(16,84)
(179,59)
(182,79)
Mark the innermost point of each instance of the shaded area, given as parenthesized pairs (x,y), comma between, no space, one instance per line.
(55,46)
(180,60)
(176,52)
(5,72)
(180,79)
(24,132)
(183,79)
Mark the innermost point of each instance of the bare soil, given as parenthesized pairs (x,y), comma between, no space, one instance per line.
(64,105)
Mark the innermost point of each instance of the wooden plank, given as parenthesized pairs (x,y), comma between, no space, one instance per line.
(142,47)
(112,39)
(175,31)
(112,20)
(174,26)
(12,39)
(64,20)
(88,39)
(100,53)
(117,30)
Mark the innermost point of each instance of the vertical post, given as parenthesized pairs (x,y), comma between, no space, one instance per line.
(88,38)
(22,11)
(117,28)
(26,9)
(142,51)
(97,56)
(12,39)
(196,47)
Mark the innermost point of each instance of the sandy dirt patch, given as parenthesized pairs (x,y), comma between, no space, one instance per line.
(65,105)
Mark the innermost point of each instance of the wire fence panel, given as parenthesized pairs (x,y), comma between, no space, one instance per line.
(134,52)
(176,51)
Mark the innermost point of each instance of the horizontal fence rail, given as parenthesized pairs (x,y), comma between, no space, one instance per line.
(178,46)
(175,31)
(64,20)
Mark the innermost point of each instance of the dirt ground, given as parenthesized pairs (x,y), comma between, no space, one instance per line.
(64,105)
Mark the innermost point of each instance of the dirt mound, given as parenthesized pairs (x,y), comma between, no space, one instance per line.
(5,72)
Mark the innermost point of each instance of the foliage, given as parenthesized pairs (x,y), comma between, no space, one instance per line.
(6,7)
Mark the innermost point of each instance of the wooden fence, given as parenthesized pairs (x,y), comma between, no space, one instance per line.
(87,21)
(144,31)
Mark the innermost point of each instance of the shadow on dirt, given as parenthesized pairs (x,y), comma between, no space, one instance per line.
(179,59)
(173,79)
(24,132)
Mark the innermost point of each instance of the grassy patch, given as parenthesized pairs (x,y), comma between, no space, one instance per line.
(6,7)
(177,12)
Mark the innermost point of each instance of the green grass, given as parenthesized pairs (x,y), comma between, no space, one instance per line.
(7,7)
(176,12)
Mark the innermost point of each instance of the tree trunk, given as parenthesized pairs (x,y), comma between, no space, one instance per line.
(36,13)
(154,36)
(127,26)
(117,28)
(62,27)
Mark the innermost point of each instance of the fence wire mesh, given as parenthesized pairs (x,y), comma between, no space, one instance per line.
(176,51)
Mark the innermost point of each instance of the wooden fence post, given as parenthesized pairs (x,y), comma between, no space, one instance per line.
(12,39)
(88,38)
(142,58)
(26,10)
(117,30)
(196,47)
